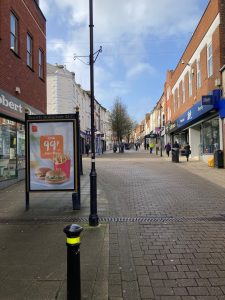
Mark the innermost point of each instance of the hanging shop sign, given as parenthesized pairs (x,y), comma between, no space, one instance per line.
(52,156)
(207,100)
(15,108)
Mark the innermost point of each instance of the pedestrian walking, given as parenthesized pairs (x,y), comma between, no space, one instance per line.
(114,148)
(176,145)
(187,149)
(168,149)
(87,149)
(151,145)
(136,146)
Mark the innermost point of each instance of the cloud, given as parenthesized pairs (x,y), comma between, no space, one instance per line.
(138,69)
(126,29)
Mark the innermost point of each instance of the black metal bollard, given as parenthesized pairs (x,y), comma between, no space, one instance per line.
(76,201)
(73,261)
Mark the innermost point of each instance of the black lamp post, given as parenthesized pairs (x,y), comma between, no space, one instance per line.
(93,217)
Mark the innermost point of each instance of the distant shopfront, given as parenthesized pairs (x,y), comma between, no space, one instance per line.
(12,138)
(200,127)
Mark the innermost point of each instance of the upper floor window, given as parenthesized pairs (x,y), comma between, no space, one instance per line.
(14,33)
(198,75)
(183,91)
(29,51)
(190,83)
(209,60)
(178,98)
(41,64)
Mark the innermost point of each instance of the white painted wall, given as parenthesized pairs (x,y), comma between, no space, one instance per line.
(194,141)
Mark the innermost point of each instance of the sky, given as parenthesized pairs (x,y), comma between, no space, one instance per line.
(140,39)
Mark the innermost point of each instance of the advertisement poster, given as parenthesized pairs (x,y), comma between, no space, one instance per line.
(51,155)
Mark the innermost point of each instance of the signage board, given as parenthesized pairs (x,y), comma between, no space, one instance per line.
(207,100)
(51,142)
(15,108)
(193,113)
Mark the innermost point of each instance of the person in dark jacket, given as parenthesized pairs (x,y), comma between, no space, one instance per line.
(168,149)
(87,149)
(187,149)
(176,145)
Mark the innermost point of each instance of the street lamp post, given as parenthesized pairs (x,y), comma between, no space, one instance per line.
(93,217)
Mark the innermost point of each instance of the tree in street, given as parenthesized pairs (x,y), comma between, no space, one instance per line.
(121,123)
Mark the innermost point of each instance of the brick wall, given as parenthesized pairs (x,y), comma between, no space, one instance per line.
(14,71)
(218,46)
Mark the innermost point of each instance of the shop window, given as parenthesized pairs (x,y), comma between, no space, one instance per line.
(14,33)
(210,136)
(20,146)
(12,148)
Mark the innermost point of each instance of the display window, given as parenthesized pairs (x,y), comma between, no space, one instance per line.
(210,136)
(12,148)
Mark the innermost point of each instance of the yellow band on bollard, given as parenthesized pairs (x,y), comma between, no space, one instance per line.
(73,241)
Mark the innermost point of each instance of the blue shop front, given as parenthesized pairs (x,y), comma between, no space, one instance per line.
(201,126)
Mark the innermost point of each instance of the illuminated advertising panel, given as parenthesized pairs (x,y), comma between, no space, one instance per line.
(52,155)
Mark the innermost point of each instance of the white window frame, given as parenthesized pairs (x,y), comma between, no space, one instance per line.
(183,90)
(41,63)
(178,98)
(209,60)
(198,75)
(29,51)
(190,83)
(14,33)
(174,102)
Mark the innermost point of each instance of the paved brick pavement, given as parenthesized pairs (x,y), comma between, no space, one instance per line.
(179,253)
(162,234)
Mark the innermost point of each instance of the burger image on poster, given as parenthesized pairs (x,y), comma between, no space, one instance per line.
(55,177)
(40,173)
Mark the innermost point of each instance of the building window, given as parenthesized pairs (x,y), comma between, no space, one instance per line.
(41,64)
(198,75)
(29,51)
(12,148)
(209,60)
(210,136)
(190,84)
(183,91)
(14,33)
(178,98)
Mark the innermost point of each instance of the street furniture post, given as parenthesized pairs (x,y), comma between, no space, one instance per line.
(93,217)
(73,261)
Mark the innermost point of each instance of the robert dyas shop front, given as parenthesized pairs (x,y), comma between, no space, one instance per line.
(12,138)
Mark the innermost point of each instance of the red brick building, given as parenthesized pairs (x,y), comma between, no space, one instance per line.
(22,79)
(198,74)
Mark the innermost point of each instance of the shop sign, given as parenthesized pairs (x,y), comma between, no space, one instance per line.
(207,100)
(51,142)
(193,113)
(171,127)
(15,108)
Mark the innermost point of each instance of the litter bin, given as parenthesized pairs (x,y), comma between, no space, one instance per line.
(218,159)
(175,155)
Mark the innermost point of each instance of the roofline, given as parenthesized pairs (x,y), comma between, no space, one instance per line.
(192,36)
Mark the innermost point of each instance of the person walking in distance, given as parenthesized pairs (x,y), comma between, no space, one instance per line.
(187,149)
(87,149)
(151,146)
(168,149)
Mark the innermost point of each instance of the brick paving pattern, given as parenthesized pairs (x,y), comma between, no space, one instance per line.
(162,260)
